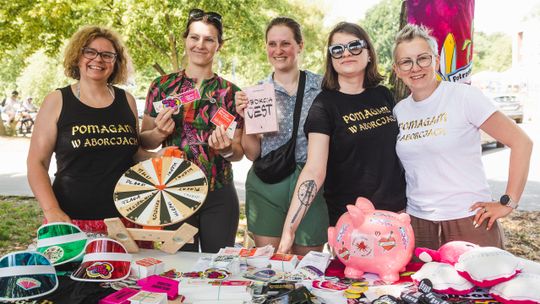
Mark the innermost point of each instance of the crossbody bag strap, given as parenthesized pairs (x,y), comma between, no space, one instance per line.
(298,104)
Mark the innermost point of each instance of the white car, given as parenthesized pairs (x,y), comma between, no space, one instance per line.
(508,104)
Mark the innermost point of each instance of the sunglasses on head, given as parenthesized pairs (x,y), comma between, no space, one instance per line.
(198,14)
(355,47)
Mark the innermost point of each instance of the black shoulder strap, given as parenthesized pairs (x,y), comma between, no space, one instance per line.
(298,104)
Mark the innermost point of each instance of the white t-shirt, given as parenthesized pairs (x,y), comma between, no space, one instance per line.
(439,146)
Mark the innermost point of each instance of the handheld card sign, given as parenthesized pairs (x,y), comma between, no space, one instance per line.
(61,242)
(176,100)
(260,113)
(26,275)
(225,119)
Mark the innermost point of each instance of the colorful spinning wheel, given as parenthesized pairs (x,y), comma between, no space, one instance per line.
(161,191)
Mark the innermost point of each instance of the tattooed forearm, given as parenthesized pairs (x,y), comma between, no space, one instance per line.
(306,193)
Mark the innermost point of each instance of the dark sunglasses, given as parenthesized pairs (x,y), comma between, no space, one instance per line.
(198,14)
(355,47)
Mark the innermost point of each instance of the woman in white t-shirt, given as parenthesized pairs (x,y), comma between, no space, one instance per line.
(448,196)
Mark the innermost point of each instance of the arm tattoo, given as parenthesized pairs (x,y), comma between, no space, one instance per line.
(306,194)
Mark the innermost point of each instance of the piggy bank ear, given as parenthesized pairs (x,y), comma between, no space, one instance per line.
(404,218)
(427,255)
(332,236)
(364,204)
(357,215)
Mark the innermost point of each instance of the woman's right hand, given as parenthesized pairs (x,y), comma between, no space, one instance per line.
(164,122)
(56,215)
(241,101)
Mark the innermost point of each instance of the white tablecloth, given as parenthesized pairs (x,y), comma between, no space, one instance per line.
(181,261)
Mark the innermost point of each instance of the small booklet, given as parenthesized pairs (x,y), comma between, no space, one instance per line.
(260,114)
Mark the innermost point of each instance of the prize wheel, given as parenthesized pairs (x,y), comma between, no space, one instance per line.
(160,191)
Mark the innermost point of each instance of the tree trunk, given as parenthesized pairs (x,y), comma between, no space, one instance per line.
(159,69)
(2,128)
(400,89)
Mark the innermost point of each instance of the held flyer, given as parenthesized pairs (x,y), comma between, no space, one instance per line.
(260,114)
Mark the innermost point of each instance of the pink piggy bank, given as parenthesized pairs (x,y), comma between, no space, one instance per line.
(369,240)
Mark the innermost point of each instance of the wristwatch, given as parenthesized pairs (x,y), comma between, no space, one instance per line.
(507,201)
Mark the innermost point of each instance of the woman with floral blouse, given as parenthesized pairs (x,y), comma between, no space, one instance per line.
(190,128)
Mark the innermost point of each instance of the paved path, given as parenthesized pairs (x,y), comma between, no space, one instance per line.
(13,152)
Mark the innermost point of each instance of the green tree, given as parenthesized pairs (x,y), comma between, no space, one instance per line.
(492,52)
(41,75)
(153,29)
(382,23)
(11,65)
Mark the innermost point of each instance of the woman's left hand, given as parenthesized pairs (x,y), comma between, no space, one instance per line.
(489,211)
(219,141)
(286,243)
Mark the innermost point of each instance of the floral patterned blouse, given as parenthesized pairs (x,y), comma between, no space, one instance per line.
(192,122)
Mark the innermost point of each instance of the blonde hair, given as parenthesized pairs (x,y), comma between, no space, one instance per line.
(411,31)
(83,38)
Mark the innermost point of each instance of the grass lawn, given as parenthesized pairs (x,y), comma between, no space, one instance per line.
(19,219)
(21,216)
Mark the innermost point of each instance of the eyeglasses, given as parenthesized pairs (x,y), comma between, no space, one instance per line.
(198,14)
(423,61)
(90,53)
(355,47)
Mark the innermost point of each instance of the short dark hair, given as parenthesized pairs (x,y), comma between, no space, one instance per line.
(372,76)
(14,93)
(205,19)
(288,22)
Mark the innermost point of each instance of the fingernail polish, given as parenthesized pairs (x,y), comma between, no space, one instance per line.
(476,226)
(474,223)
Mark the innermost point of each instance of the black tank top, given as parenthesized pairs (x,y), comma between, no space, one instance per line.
(94,146)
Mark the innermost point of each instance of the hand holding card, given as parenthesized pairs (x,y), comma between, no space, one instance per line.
(220,142)
(226,120)
(177,100)
(164,123)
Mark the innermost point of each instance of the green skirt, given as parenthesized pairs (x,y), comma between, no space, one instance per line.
(267,206)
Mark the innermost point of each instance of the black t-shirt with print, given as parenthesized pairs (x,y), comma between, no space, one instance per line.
(362,158)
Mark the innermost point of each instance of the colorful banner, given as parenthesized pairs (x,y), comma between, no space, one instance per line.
(452,25)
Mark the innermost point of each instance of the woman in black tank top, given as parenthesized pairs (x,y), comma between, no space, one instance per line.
(92,128)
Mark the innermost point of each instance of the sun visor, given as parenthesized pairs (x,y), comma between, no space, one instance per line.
(105,260)
(61,242)
(26,275)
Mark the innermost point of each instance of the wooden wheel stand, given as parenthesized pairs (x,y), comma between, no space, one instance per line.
(172,240)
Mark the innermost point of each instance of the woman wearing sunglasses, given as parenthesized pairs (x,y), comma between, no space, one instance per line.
(189,127)
(448,196)
(267,204)
(92,127)
(351,136)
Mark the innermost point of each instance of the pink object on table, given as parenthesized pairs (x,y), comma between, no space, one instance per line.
(119,297)
(448,253)
(369,240)
(160,284)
